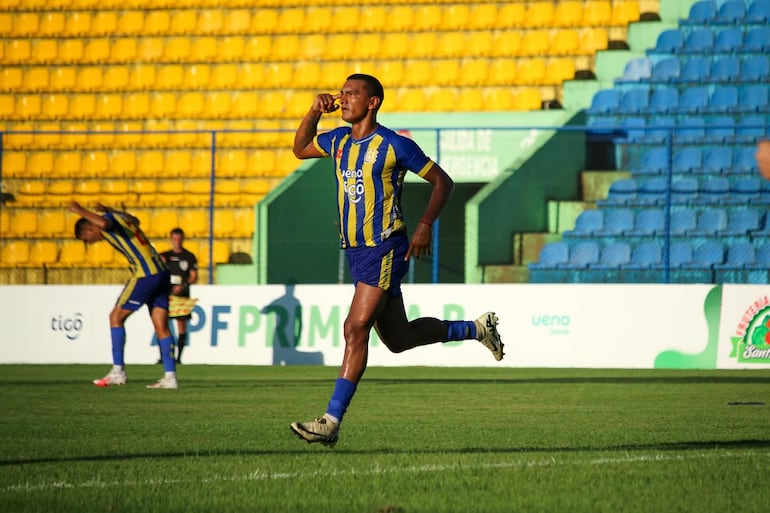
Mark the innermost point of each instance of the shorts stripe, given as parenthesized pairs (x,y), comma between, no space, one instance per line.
(386,270)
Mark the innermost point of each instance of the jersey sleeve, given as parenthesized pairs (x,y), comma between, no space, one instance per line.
(323,143)
(411,156)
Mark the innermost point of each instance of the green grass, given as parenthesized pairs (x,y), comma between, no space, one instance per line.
(414,440)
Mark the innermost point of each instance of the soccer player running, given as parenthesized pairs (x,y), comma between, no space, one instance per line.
(149,285)
(370,164)
(183,266)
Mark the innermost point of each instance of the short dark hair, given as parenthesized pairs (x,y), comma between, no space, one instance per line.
(177,231)
(373,86)
(80,225)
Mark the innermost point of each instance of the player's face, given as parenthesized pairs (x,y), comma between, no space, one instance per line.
(355,101)
(90,233)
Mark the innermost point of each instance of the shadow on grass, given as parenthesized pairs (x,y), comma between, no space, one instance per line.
(705,445)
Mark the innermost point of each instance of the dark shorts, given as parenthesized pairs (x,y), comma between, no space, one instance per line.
(382,266)
(150,290)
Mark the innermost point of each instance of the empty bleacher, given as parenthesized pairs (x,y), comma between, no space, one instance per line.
(689,115)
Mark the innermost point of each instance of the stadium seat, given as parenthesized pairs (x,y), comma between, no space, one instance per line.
(682,222)
(616,222)
(564,42)
(552,255)
(15,253)
(72,253)
(507,44)
(680,254)
(634,101)
(728,40)
(482,16)
(745,190)
(604,101)
(702,12)
(731,12)
(101,254)
(539,14)
(744,162)
(535,42)
(621,192)
(593,39)
(664,100)
(710,222)
(669,41)
(587,223)
(758,12)
(717,160)
(666,70)
(582,255)
(645,255)
(750,129)
(654,162)
(684,190)
(694,100)
(706,255)
(426,17)
(742,222)
(755,68)
(568,13)
(687,160)
(696,70)
(625,12)
(723,99)
(597,13)
(638,69)
(720,130)
(740,255)
(649,222)
(634,128)
(757,40)
(454,17)
(614,255)
(753,98)
(43,253)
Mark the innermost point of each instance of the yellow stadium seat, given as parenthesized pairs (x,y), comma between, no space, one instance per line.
(59,193)
(195,222)
(539,14)
(531,71)
(395,45)
(218,105)
(97,164)
(77,24)
(184,21)
(130,133)
(115,192)
(230,48)
(102,134)
(474,72)
(25,24)
(224,76)
(162,222)
(40,164)
(226,194)
(210,22)
(232,163)
(6,19)
(47,136)
(5,221)
(55,106)
(498,99)
(307,74)
(146,191)
(123,163)
(108,106)
(245,222)
(278,75)
(151,164)
(151,49)
(287,47)
(115,78)
(536,42)
(101,254)
(251,75)
(18,51)
(565,41)
(593,39)
(198,193)
(131,23)
(528,98)
(30,193)
(220,252)
(261,162)
(14,79)
(568,13)
(368,45)
(18,141)
(63,79)
(285,163)
(391,73)
(427,17)
(345,18)
(74,133)
(443,99)
(104,22)
(43,253)
(197,76)
(254,190)
(483,16)
(124,50)
(177,49)
(157,22)
(200,164)
(14,164)
(7,106)
(190,105)
(245,104)
(258,48)
(67,164)
(423,45)
(451,44)
(237,21)
(72,253)
(23,224)
(446,72)
(37,78)
(82,106)
(321,18)
(205,49)
(455,17)
(55,223)
(292,20)
(507,43)
(136,106)
(170,193)
(90,78)
(95,51)
(503,71)
(28,106)
(625,12)
(87,191)
(559,69)
(15,253)
(162,106)
(224,223)
(178,163)
(419,74)
(597,13)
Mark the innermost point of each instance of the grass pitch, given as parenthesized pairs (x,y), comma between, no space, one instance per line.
(414,440)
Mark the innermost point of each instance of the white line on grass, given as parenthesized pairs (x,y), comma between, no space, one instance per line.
(259,475)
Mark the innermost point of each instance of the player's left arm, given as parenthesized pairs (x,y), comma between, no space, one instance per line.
(97,220)
(442,189)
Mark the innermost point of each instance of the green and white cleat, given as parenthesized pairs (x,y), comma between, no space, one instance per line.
(487,334)
(321,430)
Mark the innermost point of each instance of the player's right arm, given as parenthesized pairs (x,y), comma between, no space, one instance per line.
(308,128)
(99,221)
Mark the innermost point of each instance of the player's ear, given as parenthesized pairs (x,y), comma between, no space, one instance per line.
(374,103)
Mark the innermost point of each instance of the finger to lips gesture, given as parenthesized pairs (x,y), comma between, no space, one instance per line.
(325,102)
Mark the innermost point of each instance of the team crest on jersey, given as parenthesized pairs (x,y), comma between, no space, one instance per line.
(183,265)
(371,156)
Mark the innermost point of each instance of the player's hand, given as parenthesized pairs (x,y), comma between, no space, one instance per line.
(74,206)
(326,103)
(420,244)
(103,208)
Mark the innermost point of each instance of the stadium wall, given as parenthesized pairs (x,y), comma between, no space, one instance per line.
(559,326)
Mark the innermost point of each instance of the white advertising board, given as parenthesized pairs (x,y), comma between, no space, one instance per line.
(542,325)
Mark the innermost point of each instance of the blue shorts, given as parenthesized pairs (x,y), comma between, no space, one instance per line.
(151,291)
(381,266)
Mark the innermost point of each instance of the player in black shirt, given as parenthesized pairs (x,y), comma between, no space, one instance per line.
(183,266)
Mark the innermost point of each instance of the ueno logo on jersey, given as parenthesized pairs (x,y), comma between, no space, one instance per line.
(354,184)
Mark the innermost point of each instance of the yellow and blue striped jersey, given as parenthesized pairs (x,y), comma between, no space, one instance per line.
(125,235)
(370,179)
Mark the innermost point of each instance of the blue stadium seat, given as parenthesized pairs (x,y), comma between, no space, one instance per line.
(764,194)
(753,98)
(714,190)
(636,70)
(669,41)
(710,222)
(646,255)
(699,41)
(745,190)
(613,256)
(724,99)
(750,129)
(664,100)
(659,129)
(728,40)
(702,12)
(694,100)
(634,128)
(552,255)
(621,192)
(654,162)
(758,12)
(634,101)
(652,191)
(726,69)
(687,160)
(680,254)
(616,222)
(582,255)
(603,126)
(744,162)
(721,129)
(666,70)
(690,130)
(682,222)
(762,257)
(648,222)
(684,190)
(732,12)
(757,40)
(707,255)
(604,101)
(740,254)
(717,160)
(742,222)
(587,224)
(696,70)
(755,68)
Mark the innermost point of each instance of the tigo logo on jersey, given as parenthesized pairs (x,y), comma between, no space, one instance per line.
(752,341)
